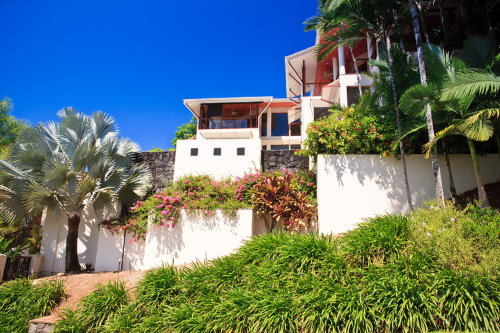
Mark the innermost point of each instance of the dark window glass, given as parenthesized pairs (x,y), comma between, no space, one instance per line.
(295,129)
(295,147)
(194,151)
(320,113)
(264,125)
(264,147)
(240,151)
(279,124)
(214,110)
(217,151)
(352,95)
(279,147)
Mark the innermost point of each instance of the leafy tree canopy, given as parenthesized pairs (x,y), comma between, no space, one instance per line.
(10,127)
(185,131)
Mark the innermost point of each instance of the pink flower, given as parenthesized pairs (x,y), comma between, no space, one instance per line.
(309,184)
(163,212)
(135,239)
(123,228)
(301,181)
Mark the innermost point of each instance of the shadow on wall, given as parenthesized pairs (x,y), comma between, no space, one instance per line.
(197,238)
(370,170)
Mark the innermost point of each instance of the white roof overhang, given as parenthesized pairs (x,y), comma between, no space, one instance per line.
(293,71)
(194,104)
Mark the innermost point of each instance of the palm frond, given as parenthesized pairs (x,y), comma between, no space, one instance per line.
(477,51)
(470,83)
(102,126)
(478,127)
(414,100)
(429,146)
(136,185)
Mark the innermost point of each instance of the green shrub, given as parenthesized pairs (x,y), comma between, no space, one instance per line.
(95,309)
(21,301)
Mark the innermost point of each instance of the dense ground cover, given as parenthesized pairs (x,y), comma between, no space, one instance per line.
(435,269)
(21,301)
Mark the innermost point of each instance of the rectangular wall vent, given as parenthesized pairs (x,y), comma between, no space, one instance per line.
(240,151)
(217,151)
(194,151)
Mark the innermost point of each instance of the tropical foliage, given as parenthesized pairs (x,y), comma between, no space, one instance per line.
(10,127)
(185,131)
(279,196)
(78,163)
(21,301)
(432,270)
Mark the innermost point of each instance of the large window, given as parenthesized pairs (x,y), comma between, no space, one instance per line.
(233,115)
(263,129)
(279,124)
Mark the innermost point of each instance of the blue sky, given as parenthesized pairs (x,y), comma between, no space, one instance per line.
(137,60)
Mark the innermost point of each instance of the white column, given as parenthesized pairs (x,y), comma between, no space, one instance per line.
(269,120)
(341,60)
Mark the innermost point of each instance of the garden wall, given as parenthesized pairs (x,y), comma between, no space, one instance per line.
(161,164)
(353,187)
(54,232)
(273,160)
(197,238)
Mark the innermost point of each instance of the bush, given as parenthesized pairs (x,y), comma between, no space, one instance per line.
(21,301)
(95,309)
(387,275)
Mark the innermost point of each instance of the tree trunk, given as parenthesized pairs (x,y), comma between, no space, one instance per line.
(358,77)
(443,18)
(72,264)
(479,179)
(453,190)
(428,113)
(398,120)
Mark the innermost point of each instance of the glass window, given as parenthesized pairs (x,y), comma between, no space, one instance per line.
(279,124)
(295,129)
(264,125)
(320,113)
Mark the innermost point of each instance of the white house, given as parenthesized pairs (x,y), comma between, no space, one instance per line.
(233,131)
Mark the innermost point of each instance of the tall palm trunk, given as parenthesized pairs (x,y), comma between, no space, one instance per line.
(358,77)
(479,179)
(497,137)
(398,120)
(71,263)
(428,114)
(443,18)
(453,190)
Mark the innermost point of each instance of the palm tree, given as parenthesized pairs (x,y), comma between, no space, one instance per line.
(379,20)
(454,95)
(428,114)
(66,166)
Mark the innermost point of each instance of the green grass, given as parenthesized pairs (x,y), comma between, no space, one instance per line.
(388,275)
(21,301)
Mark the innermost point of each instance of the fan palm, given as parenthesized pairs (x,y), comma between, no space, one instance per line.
(66,166)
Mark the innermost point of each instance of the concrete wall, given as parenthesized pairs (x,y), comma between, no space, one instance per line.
(196,238)
(353,187)
(55,230)
(109,251)
(228,164)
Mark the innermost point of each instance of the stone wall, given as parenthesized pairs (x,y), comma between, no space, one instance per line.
(41,326)
(283,159)
(161,164)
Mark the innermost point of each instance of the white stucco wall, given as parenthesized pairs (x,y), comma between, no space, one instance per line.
(229,163)
(353,187)
(54,233)
(109,251)
(196,238)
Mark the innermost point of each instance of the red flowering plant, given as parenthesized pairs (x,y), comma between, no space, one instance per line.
(355,130)
(203,195)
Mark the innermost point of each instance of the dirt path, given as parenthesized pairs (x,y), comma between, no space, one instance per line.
(80,285)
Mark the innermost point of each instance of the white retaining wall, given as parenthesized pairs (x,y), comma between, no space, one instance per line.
(196,238)
(353,187)
(55,230)
(109,251)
